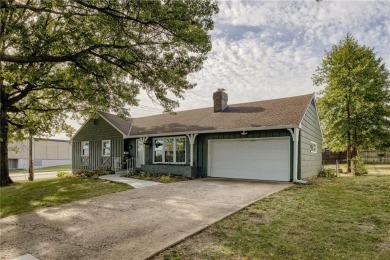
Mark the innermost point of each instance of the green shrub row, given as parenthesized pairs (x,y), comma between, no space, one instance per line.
(83,174)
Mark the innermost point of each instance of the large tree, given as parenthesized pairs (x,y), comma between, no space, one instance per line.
(81,56)
(355,103)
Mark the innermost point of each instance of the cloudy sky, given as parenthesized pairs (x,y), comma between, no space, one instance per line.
(270,49)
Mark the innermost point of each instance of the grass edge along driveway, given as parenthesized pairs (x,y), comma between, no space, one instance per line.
(28,196)
(331,219)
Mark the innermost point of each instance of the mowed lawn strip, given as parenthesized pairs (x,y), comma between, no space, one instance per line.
(66,167)
(331,219)
(372,169)
(378,169)
(28,196)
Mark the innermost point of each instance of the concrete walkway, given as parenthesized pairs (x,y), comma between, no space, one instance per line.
(133,224)
(130,181)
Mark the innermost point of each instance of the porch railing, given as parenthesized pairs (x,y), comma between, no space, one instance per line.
(131,164)
(116,163)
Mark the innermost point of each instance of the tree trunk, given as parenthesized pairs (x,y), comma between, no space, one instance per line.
(4,172)
(30,159)
(349,155)
(353,155)
(349,146)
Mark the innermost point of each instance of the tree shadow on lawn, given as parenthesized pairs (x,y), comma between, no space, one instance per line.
(28,196)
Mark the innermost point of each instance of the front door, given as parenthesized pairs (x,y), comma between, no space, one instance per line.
(140,153)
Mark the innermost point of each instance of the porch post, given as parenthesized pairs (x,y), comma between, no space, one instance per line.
(143,140)
(295,136)
(192,137)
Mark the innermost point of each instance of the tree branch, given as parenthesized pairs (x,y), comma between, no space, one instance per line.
(58,59)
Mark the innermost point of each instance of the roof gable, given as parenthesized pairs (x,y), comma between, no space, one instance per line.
(97,129)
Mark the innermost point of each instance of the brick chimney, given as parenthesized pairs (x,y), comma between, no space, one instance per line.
(220,100)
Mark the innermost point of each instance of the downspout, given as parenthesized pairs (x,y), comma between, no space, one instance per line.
(295,136)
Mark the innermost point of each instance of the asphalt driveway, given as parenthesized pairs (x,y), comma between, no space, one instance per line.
(132,224)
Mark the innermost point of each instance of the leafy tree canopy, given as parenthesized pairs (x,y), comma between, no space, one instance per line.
(355,103)
(82,56)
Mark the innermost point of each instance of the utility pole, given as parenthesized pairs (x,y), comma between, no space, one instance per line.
(30,159)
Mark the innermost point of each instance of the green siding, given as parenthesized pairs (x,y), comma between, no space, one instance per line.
(310,163)
(91,132)
(95,134)
(202,144)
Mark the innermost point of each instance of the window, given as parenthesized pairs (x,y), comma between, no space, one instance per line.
(181,150)
(169,150)
(168,147)
(158,150)
(313,147)
(106,148)
(85,148)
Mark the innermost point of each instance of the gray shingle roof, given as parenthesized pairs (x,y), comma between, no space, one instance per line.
(267,113)
(119,123)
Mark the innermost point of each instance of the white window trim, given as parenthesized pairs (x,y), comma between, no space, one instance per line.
(82,148)
(105,155)
(314,145)
(174,150)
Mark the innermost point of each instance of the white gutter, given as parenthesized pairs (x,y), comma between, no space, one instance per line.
(295,136)
(216,131)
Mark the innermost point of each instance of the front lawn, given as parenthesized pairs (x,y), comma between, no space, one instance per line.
(333,218)
(28,196)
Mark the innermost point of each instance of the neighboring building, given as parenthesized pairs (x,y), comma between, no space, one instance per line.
(46,152)
(276,139)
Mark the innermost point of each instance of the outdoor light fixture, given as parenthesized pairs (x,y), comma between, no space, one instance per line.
(147,144)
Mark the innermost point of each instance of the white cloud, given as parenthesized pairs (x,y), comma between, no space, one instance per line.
(270,49)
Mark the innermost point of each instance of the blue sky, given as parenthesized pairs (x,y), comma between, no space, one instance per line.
(270,49)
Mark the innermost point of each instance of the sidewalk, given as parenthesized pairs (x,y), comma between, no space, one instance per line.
(130,181)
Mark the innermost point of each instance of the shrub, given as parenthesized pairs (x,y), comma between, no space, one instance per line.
(64,175)
(358,165)
(133,172)
(327,173)
(83,174)
(166,178)
(145,176)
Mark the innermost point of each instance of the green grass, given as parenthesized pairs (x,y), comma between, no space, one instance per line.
(378,169)
(46,169)
(372,169)
(333,218)
(28,196)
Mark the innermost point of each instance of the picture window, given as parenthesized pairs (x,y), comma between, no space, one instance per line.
(169,150)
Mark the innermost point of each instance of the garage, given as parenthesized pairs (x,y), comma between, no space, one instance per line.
(257,159)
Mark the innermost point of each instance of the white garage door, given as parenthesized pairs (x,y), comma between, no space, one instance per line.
(260,159)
